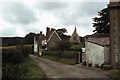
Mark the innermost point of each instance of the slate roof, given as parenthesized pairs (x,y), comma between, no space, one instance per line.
(103,41)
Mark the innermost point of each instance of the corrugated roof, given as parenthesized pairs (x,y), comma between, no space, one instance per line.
(103,41)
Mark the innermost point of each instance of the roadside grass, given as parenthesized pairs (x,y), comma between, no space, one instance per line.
(69,61)
(114,75)
(26,69)
(34,70)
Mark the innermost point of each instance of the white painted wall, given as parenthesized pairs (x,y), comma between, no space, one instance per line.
(107,55)
(35,46)
(94,53)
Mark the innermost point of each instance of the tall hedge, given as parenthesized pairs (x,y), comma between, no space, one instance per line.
(15,55)
(11,58)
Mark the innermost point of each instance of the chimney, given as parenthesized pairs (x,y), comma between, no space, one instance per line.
(47,31)
(40,33)
(52,29)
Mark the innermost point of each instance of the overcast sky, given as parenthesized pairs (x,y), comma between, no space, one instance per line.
(20,18)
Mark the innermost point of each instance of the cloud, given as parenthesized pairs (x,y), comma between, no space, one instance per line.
(36,16)
(51,6)
(80,13)
(17,13)
(8,32)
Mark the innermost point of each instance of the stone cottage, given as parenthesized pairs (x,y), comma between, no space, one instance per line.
(97,51)
(42,42)
(75,37)
(52,40)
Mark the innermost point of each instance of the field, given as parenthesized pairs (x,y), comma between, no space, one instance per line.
(12,47)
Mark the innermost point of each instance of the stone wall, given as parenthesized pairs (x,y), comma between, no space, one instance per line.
(114,13)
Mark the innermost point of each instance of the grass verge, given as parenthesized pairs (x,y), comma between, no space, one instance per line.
(62,60)
(115,75)
(34,69)
(26,69)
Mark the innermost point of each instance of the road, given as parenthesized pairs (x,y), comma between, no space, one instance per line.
(54,69)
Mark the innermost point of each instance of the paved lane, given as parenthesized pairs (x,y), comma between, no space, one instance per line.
(54,69)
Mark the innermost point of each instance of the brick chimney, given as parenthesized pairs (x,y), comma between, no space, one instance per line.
(47,31)
(40,33)
(52,29)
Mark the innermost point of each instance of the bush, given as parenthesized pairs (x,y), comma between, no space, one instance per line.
(69,54)
(64,54)
(76,47)
(25,70)
(15,62)
(15,55)
(107,67)
(26,50)
(63,45)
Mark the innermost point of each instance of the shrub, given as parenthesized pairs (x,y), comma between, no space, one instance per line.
(15,55)
(76,47)
(26,50)
(107,67)
(64,54)
(63,45)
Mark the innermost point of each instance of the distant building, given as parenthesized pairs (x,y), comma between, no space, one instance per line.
(42,42)
(97,51)
(114,13)
(53,39)
(75,37)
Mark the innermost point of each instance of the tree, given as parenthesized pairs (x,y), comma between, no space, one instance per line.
(29,38)
(63,45)
(61,33)
(101,23)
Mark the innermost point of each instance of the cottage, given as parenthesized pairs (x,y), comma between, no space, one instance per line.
(97,51)
(53,39)
(42,42)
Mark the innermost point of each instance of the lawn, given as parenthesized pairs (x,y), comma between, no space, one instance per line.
(62,60)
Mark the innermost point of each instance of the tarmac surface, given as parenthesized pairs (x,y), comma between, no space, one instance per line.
(54,69)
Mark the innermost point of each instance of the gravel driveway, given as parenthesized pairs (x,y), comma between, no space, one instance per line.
(54,69)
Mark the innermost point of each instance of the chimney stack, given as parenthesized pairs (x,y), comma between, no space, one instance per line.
(40,33)
(47,31)
(52,29)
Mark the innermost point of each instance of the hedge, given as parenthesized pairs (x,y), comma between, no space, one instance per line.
(15,55)
(64,54)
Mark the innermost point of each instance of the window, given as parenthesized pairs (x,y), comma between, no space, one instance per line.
(74,38)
